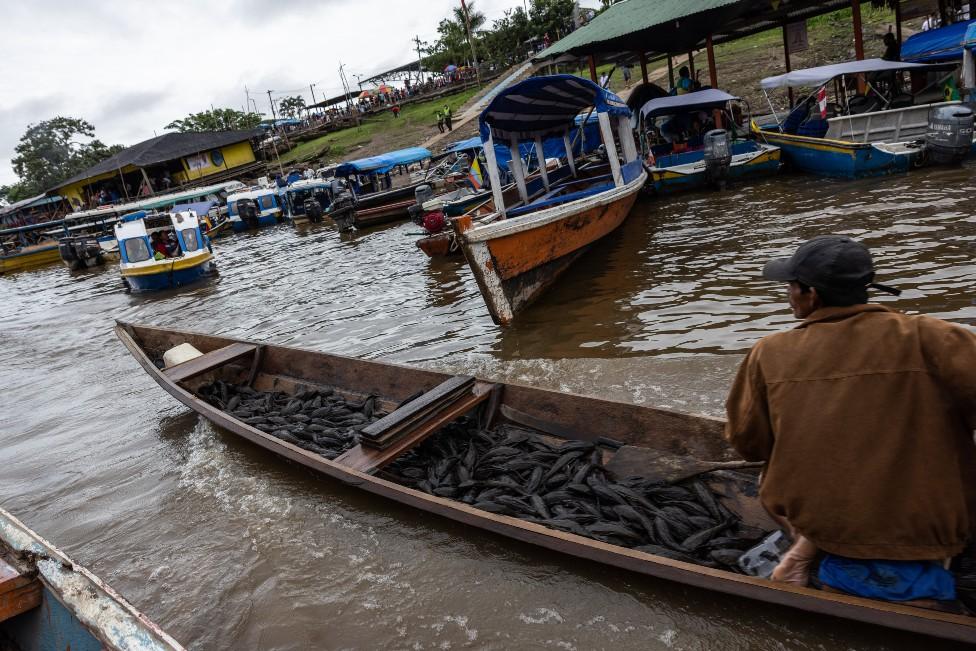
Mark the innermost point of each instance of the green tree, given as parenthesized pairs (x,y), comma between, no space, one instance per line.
(553,17)
(292,106)
(505,42)
(217,120)
(53,150)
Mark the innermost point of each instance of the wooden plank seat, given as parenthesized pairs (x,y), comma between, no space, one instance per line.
(209,361)
(368,459)
(18,592)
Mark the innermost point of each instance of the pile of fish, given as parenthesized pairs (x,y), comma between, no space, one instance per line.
(512,471)
(317,420)
(516,472)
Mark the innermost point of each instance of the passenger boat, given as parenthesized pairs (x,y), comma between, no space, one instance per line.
(307,200)
(29,247)
(254,207)
(711,159)
(48,601)
(519,243)
(882,132)
(88,237)
(376,199)
(422,402)
(142,271)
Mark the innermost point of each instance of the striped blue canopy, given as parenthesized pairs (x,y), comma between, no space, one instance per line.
(383,163)
(544,106)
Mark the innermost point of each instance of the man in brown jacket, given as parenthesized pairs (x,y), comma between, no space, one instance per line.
(865,418)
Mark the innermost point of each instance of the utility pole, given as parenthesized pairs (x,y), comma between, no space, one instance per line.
(274,121)
(345,88)
(420,59)
(474,57)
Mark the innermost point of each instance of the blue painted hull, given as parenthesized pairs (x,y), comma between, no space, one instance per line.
(170,279)
(840,159)
(700,180)
(264,220)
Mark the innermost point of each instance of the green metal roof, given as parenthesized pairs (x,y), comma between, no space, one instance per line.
(617,28)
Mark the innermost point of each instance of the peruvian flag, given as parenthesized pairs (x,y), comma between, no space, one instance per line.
(822,101)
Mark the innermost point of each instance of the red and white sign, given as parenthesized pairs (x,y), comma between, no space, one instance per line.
(822,102)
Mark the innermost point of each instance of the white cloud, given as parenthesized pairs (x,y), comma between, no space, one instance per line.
(132,66)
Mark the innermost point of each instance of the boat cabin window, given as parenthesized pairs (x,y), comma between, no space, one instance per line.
(136,250)
(267,201)
(190,241)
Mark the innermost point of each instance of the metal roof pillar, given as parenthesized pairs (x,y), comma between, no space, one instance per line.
(789,68)
(858,42)
(713,77)
(593,76)
(643,65)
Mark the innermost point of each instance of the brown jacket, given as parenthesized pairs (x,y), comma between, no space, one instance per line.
(865,417)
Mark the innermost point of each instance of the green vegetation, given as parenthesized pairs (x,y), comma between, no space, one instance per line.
(394,132)
(217,120)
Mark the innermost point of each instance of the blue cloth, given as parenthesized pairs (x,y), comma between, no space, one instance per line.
(888,580)
(544,106)
(943,44)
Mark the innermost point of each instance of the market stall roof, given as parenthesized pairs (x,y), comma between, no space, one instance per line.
(702,100)
(943,44)
(383,163)
(810,77)
(32,202)
(167,147)
(677,26)
(542,106)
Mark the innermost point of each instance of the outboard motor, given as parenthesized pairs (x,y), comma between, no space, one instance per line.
(68,254)
(248,211)
(717,156)
(949,135)
(343,210)
(313,210)
(423,194)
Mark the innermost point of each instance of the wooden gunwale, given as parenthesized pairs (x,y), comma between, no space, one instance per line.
(933,623)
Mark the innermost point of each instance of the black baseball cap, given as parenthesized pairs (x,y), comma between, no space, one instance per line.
(833,264)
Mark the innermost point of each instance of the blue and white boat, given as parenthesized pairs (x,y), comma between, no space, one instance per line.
(307,200)
(884,131)
(190,260)
(254,207)
(49,602)
(711,158)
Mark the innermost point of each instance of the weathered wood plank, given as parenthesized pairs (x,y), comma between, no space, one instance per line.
(18,593)
(369,460)
(430,401)
(209,361)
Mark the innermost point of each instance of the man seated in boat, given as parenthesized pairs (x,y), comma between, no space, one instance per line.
(160,250)
(865,418)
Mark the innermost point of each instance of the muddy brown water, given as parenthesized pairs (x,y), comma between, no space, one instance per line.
(227,546)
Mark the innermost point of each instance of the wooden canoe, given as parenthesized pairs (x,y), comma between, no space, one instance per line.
(285,369)
(47,601)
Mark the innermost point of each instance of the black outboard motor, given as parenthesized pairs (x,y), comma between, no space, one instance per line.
(313,210)
(717,156)
(67,250)
(949,135)
(248,211)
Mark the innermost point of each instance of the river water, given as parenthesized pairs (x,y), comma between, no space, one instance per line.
(227,546)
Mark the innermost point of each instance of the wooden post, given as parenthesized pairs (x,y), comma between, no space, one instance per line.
(541,156)
(611,146)
(643,65)
(494,177)
(858,42)
(786,55)
(898,21)
(671,71)
(518,170)
(570,159)
(691,64)
(145,177)
(713,77)
(593,76)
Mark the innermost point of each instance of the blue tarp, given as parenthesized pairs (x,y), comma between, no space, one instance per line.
(552,147)
(200,207)
(943,44)
(384,162)
(701,100)
(544,106)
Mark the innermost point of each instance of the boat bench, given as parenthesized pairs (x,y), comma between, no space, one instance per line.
(554,201)
(209,361)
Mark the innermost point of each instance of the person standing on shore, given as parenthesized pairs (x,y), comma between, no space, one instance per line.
(448,117)
(440,120)
(865,418)
(626,72)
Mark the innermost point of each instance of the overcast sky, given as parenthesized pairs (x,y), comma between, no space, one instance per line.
(131,66)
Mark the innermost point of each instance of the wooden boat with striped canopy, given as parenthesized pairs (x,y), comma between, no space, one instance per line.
(422,404)
(518,243)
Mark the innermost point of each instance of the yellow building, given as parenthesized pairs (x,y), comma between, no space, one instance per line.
(163,163)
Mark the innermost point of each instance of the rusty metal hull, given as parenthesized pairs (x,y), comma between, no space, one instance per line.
(516,260)
(284,368)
